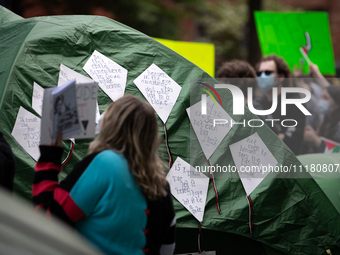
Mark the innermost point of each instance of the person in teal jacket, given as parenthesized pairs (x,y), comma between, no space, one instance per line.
(117,196)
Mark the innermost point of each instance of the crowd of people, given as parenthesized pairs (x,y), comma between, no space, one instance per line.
(272,73)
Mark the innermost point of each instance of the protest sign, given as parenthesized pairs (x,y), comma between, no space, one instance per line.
(284,34)
(26,131)
(110,76)
(253,160)
(159,89)
(189,187)
(201,54)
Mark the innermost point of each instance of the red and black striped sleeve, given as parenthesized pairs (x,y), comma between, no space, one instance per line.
(48,193)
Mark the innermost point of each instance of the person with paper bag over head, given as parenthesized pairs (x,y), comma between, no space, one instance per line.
(117,196)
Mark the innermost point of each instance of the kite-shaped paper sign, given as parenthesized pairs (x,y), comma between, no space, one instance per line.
(37,98)
(189,187)
(253,161)
(26,131)
(110,76)
(209,133)
(159,89)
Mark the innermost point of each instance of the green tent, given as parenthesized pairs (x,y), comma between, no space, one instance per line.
(329,180)
(290,216)
(25,230)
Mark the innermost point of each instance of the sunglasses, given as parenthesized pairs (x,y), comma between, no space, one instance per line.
(267,72)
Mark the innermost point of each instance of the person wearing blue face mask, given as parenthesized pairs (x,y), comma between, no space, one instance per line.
(272,71)
(330,127)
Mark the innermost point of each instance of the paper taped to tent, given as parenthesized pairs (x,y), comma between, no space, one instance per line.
(225,215)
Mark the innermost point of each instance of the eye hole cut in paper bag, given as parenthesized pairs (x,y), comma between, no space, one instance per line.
(189,187)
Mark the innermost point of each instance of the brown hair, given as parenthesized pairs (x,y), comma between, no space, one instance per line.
(281,65)
(238,69)
(129,126)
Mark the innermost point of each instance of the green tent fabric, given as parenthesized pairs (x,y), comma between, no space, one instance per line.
(291,216)
(25,230)
(7,16)
(328,180)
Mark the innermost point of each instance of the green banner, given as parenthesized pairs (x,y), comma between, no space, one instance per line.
(285,33)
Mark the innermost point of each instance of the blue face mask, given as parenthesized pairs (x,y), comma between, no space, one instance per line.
(323,106)
(266,82)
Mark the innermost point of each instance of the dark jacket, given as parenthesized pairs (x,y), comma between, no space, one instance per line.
(293,135)
(7,164)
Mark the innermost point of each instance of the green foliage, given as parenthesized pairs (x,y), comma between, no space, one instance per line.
(221,22)
(225,24)
(156,18)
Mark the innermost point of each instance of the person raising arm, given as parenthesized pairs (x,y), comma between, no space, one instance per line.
(117,196)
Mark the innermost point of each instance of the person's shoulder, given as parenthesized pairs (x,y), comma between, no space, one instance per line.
(110,155)
(110,159)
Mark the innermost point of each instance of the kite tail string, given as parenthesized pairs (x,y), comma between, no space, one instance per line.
(199,237)
(167,145)
(250,204)
(215,189)
(69,154)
